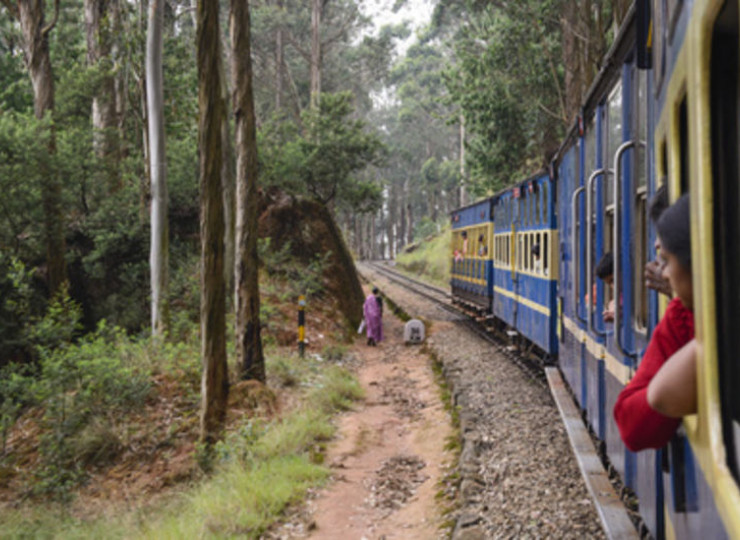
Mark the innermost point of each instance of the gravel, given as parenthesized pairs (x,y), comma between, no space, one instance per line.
(519,478)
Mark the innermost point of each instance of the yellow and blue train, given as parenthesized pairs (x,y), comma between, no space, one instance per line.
(665,109)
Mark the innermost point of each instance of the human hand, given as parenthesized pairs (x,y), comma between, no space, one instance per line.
(608,315)
(654,278)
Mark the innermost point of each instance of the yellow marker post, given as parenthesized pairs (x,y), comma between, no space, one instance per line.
(301,325)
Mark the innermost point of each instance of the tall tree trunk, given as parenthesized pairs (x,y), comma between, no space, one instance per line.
(30,13)
(100,18)
(391,222)
(228,187)
(381,241)
(373,238)
(279,63)
(248,328)
(410,227)
(401,238)
(316,6)
(215,382)
(159,249)
(463,189)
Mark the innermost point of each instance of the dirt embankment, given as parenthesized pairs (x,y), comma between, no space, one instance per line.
(311,231)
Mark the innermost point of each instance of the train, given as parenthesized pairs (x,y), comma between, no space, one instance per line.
(662,111)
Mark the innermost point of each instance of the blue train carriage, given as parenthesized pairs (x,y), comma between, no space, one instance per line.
(605,179)
(471,256)
(525,261)
(696,146)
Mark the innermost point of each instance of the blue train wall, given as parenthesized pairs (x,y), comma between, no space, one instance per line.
(471,267)
(551,309)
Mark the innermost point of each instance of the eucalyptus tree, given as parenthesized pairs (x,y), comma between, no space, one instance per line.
(102,19)
(35,31)
(159,249)
(422,129)
(508,81)
(215,382)
(248,328)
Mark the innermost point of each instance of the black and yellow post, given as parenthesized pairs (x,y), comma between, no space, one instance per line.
(301,325)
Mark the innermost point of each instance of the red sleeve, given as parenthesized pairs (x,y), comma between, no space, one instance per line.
(639,425)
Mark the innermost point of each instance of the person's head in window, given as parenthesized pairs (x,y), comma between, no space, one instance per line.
(674,232)
(605,268)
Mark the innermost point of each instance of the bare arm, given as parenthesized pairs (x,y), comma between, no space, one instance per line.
(672,392)
(654,279)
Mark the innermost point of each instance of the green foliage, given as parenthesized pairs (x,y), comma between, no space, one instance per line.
(81,385)
(430,259)
(16,392)
(322,161)
(298,277)
(508,82)
(334,352)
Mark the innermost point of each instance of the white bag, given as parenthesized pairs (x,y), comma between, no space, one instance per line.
(361,329)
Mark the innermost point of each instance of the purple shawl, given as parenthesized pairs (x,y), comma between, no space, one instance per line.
(373,318)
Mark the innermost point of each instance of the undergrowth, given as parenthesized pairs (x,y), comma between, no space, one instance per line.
(430,259)
(260,468)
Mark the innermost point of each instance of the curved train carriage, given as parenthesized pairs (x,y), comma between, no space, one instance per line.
(663,110)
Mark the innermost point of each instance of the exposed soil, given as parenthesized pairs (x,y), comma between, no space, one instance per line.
(389,456)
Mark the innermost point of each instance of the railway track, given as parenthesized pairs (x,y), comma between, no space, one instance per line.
(532,366)
(615,505)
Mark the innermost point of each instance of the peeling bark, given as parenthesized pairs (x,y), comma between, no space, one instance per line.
(248,327)
(215,382)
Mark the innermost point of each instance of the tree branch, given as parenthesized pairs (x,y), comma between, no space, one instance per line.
(46,29)
(339,33)
(551,113)
(306,55)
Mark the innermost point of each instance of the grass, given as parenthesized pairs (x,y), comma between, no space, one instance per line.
(261,469)
(431,260)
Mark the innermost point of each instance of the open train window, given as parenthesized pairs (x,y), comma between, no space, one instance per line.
(545,204)
(639,289)
(683,126)
(614,138)
(544,249)
(640,173)
(726,226)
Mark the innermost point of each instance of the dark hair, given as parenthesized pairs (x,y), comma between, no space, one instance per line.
(674,230)
(376,290)
(536,249)
(605,267)
(658,203)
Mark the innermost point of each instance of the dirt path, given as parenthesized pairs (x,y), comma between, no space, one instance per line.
(389,454)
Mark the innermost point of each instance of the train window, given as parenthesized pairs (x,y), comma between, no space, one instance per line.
(683,118)
(639,289)
(641,120)
(614,139)
(545,251)
(590,150)
(537,207)
(658,43)
(545,204)
(527,253)
(724,91)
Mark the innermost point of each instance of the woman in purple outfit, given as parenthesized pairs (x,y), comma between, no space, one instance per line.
(373,310)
